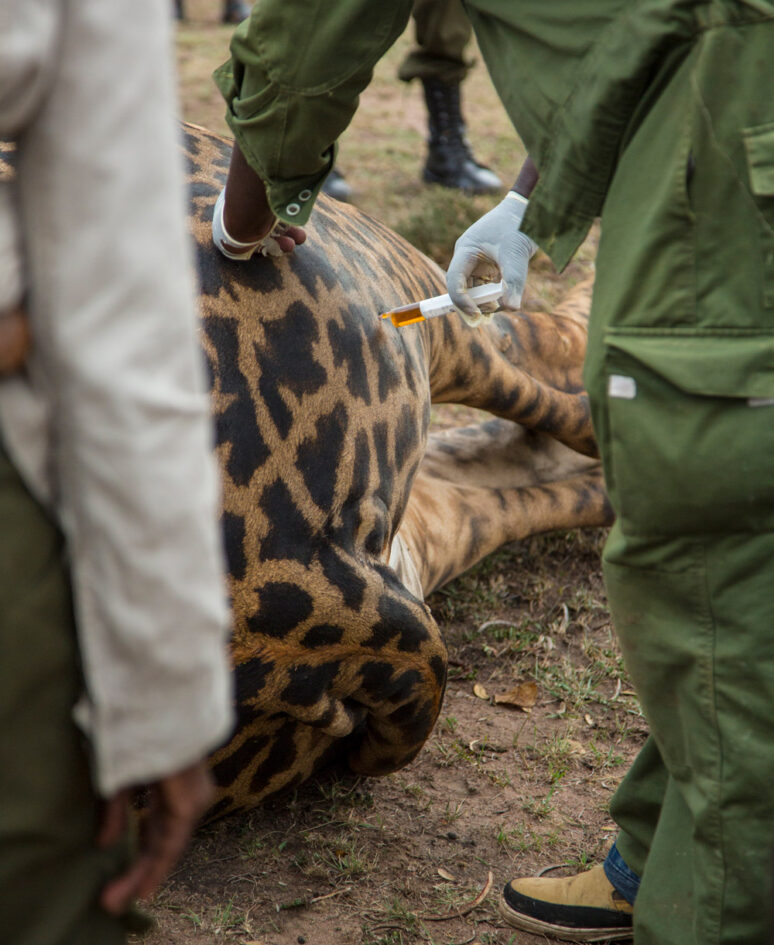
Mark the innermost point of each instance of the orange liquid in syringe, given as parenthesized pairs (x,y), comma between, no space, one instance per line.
(405,315)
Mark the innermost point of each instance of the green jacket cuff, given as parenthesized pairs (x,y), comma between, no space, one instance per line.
(558,232)
(292,196)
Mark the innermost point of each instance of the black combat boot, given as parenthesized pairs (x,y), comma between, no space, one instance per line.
(450,161)
(336,186)
(234,11)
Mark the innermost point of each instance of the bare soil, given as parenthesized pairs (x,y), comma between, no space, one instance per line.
(500,789)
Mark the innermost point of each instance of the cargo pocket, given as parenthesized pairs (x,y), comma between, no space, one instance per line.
(691,432)
(759,148)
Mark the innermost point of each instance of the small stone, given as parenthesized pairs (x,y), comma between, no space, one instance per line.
(301,940)
(451,835)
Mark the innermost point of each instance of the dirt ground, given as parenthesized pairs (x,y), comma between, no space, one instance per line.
(539,721)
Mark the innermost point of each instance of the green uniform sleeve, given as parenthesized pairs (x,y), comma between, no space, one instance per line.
(292,84)
(575,75)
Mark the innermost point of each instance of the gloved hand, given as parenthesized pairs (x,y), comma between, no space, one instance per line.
(494,239)
(234,249)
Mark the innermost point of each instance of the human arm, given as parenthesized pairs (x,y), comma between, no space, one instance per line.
(574,84)
(243,222)
(14,328)
(291,88)
(527,179)
(175,804)
(14,340)
(495,240)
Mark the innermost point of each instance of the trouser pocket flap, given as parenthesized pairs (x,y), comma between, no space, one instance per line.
(691,432)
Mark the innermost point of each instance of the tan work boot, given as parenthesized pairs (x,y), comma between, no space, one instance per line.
(580,908)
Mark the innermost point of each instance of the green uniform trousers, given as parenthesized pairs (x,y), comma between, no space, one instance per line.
(443,31)
(50,871)
(680,371)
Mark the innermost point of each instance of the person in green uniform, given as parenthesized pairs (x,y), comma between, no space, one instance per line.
(443,32)
(656,116)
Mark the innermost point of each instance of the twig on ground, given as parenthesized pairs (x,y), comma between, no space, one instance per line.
(336,892)
(464,910)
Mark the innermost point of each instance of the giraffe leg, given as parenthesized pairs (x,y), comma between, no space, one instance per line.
(522,366)
(481,487)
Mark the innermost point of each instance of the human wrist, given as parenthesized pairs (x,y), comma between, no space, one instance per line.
(528,177)
(240,235)
(226,242)
(247,216)
(246,228)
(517,206)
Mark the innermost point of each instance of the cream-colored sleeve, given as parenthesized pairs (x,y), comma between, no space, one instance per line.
(10,254)
(117,363)
(27,42)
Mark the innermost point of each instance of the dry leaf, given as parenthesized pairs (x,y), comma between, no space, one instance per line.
(523,696)
(589,720)
(479,692)
(445,874)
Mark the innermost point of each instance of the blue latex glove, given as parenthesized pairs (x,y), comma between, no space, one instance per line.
(495,238)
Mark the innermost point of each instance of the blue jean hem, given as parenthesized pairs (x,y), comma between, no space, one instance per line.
(624,879)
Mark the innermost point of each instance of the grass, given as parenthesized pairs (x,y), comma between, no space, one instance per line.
(226,917)
(452,812)
(543,807)
(525,839)
(345,858)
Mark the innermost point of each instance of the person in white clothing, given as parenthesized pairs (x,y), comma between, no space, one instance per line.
(112,597)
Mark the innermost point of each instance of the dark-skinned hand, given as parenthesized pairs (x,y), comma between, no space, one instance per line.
(176,803)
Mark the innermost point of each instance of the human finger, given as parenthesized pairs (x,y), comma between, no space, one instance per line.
(114,818)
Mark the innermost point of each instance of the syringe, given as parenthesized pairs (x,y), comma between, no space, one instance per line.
(441,305)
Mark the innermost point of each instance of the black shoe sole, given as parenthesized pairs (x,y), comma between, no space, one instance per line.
(529,924)
(430,177)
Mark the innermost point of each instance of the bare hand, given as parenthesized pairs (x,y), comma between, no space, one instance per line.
(247,215)
(14,341)
(176,804)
